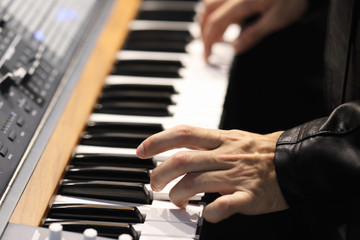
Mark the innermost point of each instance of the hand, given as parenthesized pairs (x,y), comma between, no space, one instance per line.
(237,164)
(273,16)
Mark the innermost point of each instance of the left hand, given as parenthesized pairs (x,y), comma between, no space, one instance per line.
(273,15)
(237,164)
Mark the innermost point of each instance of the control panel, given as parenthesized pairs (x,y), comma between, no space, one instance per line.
(54,232)
(39,40)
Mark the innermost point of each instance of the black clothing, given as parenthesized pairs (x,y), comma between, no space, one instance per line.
(276,85)
(318,167)
(318,163)
(342,53)
(281,83)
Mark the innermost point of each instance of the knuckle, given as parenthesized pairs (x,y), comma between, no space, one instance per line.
(150,141)
(231,135)
(180,159)
(225,206)
(183,131)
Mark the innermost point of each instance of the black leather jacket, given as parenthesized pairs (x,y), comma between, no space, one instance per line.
(318,163)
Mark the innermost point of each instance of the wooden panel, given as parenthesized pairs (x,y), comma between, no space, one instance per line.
(44,181)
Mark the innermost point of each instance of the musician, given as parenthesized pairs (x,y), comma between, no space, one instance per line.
(311,169)
(286,64)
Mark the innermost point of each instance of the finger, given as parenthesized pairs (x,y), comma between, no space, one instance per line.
(209,7)
(185,162)
(228,13)
(179,137)
(225,206)
(253,33)
(213,27)
(210,26)
(194,183)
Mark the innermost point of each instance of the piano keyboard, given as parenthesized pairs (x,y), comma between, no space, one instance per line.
(159,80)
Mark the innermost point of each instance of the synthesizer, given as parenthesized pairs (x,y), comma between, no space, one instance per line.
(156,80)
(43,47)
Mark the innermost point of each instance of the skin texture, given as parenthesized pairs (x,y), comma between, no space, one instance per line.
(237,164)
(273,15)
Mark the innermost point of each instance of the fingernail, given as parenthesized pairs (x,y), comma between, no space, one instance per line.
(182,205)
(156,188)
(140,151)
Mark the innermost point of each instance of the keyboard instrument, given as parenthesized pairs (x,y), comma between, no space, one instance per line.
(83,83)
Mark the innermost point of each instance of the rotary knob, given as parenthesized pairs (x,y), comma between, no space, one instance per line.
(55,231)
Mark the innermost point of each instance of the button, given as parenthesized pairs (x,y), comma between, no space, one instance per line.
(20,121)
(12,135)
(3,151)
(28,107)
(40,101)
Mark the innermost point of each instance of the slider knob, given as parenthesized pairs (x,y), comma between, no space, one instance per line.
(125,237)
(15,77)
(90,234)
(5,83)
(3,22)
(55,231)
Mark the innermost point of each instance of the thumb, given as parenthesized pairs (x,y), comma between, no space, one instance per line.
(226,205)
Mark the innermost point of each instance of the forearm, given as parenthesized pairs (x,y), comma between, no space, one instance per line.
(318,166)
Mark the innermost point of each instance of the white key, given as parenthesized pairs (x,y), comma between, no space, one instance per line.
(83,149)
(163,238)
(170,229)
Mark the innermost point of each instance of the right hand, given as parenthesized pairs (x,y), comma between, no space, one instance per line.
(237,164)
(273,15)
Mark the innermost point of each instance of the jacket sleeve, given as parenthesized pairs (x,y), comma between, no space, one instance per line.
(318,167)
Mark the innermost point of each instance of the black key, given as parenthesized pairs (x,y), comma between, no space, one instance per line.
(108,190)
(157,46)
(108,174)
(140,87)
(167,15)
(158,40)
(182,36)
(93,212)
(133,108)
(104,229)
(94,159)
(124,127)
(114,139)
(136,96)
(148,68)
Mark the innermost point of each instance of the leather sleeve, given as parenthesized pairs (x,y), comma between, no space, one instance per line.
(318,167)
